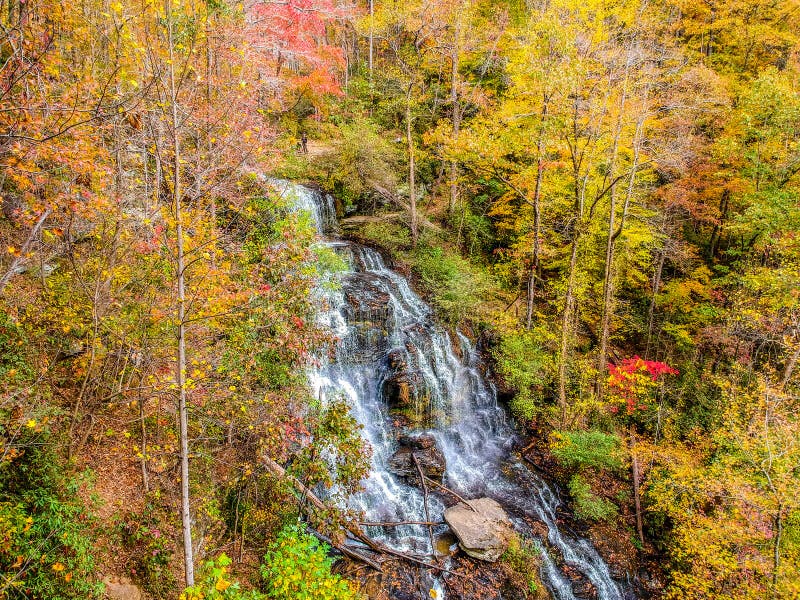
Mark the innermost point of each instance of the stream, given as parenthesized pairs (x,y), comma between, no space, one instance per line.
(387,334)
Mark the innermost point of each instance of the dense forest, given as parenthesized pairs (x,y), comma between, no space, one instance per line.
(600,197)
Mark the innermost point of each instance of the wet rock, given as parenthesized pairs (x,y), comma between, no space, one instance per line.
(121,588)
(369,312)
(422,447)
(482,528)
(445,544)
(581,586)
(404,390)
(366,301)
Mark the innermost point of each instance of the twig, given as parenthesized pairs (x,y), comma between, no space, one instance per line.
(425,501)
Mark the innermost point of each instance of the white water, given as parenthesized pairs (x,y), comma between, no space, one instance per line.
(471,429)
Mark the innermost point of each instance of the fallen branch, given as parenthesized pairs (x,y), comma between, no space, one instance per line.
(22,253)
(353,528)
(425,500)
(449,491)
(400,523)
(349,552)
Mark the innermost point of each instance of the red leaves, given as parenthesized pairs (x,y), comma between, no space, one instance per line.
(632,381)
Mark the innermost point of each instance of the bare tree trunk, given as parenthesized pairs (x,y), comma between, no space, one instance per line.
(569,298)
(651,312)
(412,186)
(454,85)
(12,269)
(566,329)
(609,258)
(637,498)
(608,279)
(537,218)
(789,369)
(776,547)
(371,35)
(180,368)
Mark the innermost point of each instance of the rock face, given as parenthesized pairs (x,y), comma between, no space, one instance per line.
(369,312)
(422,447)
(482,533)
(404,389)
(121,588)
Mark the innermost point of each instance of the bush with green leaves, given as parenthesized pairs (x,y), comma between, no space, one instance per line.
(214,582)
(297,567)
(45,539)
(588,505)
(526,367)
(524,560)
(592,449)
(458,288)
(150,549)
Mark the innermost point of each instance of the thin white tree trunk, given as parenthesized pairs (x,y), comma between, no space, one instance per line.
(180,367)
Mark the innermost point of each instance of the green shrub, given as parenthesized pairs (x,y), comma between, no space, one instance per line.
(150,550)
(214,583)
(578,450)
(45,542)
(457,286)
(587,505)
(522,557)
(388,235)
(297,567)
(525,366)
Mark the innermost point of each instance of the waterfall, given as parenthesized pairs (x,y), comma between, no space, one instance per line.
(381,323)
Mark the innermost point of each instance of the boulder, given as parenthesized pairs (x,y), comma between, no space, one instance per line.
(422,447)
(482,528)
(121,588)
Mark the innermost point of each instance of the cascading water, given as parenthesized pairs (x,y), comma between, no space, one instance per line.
(381,323)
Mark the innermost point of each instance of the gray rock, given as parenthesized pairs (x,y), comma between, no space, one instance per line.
(431,460)
(121,588)
(483,531)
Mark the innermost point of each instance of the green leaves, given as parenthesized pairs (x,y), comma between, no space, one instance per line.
(297,567)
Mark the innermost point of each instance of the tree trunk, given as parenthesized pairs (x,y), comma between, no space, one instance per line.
(651,312)
(637,499)
(789,368)
(454,85)
(371,35)
(610,240)
(537,218)
(608,277)
(180,367)
(412,185)
(776,548)
(566,328)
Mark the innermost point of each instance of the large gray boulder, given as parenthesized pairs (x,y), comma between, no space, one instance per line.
(482,528)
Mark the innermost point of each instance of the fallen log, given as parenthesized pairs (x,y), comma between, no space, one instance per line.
(353,528)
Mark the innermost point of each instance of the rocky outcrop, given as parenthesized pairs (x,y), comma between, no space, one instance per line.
(482,528)
(404,390)
(423,448)
(369,311)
